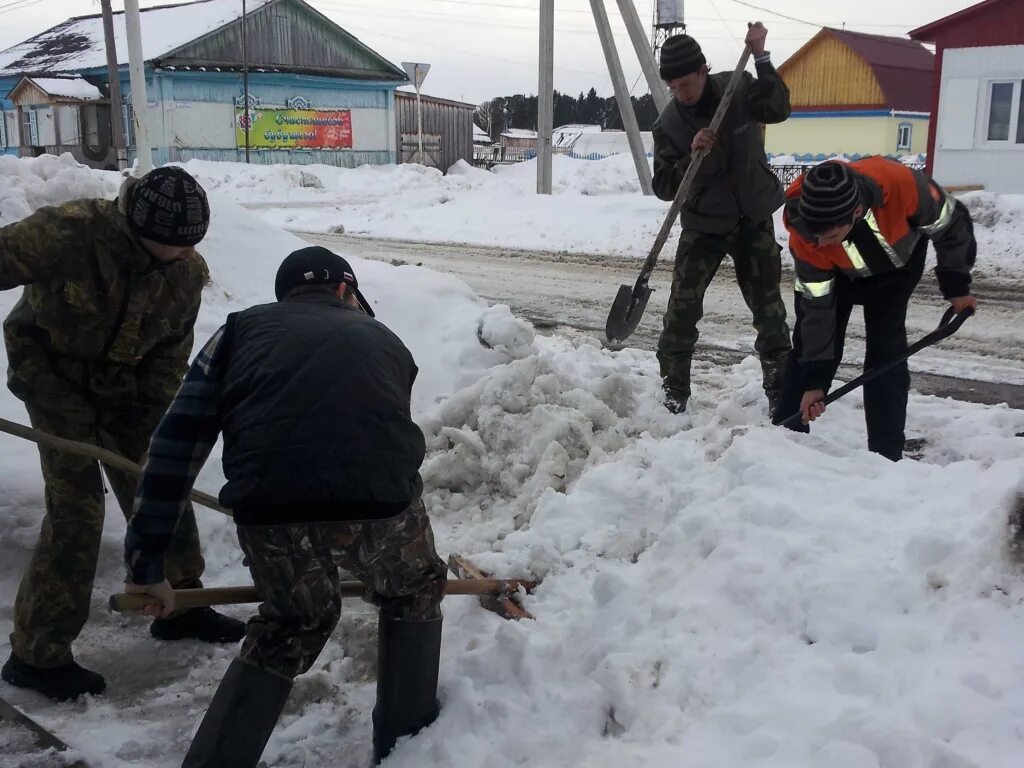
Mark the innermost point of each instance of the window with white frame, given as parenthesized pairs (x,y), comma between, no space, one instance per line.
(904,134)
(1005,118)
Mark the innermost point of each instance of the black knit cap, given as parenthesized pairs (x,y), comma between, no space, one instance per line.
(168,206)
(829,195)
(316,266)
(680,56)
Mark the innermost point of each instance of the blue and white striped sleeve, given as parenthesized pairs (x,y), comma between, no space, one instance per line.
(178,449)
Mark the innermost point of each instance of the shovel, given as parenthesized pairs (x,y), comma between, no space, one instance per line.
(948,325)
(629,304)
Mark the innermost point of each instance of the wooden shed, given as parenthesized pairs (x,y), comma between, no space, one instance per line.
(855,94)
(447,130)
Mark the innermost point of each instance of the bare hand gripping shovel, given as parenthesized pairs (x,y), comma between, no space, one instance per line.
(948,325)
(629,304)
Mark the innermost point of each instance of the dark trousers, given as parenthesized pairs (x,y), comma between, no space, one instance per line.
(884,298)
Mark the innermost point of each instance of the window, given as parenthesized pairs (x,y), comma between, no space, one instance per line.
(1020,112)
(30,127)
(903,136)
(3,129)
(1005,112)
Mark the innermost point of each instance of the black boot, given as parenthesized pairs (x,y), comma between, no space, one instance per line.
(241,717)
(409,653)
(773,370)
(676,395)
(68,681)
(200,624)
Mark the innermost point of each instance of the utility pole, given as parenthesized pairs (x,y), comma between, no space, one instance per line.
(611,56)
(644,52)
(114,78)
(545,97)
(137,73)
(245,85)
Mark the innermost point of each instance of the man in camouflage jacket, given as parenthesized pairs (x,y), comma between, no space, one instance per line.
(96,349)
(728,210)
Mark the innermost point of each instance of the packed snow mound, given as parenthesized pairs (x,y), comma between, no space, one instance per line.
(437,316)
(715,586)
(466,205)
(31,183)
(999,229)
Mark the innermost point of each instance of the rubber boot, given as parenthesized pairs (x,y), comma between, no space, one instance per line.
(68,681)
(409,653)
(676,395)
(240,719)
(773,370)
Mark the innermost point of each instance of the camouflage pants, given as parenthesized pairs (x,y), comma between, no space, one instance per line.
(295,571)
(53,599)
(755,255)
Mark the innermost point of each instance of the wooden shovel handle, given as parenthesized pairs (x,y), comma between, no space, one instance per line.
(198,598)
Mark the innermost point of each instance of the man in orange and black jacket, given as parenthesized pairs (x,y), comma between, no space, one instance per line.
(859,233)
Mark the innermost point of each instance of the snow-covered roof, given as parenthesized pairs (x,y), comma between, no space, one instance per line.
(577,128)
(77,43)
(520,133)
(480,135)
(565,136)
(68,87)
(608,143)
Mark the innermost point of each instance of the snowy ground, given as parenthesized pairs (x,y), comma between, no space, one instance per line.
(596,207)
(716,592)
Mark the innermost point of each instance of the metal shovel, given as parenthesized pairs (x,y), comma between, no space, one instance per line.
(948,325)
(629,304)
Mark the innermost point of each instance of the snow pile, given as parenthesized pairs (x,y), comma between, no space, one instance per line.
(27,184)
(714,586)
(999,229)
(714,589)
(467,205)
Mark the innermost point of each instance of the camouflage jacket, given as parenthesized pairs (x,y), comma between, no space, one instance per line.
(100,324)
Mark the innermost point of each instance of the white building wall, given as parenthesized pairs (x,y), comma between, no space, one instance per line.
(963,153)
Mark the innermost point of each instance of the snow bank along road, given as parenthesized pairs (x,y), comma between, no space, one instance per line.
(571,294)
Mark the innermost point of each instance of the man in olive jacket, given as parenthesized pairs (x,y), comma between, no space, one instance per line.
(728,210)
(96,348)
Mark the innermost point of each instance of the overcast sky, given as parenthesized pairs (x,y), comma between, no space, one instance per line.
(479,49)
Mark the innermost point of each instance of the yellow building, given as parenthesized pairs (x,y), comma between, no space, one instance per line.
(855,94)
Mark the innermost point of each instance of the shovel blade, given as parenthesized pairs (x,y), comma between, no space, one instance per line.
(627,309)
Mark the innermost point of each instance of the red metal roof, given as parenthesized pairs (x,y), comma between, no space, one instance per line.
(902,67)
(927,32)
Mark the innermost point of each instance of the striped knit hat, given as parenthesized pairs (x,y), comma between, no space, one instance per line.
(829,195)
(680,56)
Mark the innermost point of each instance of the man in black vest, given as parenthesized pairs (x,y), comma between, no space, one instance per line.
(321,457)
(728,210)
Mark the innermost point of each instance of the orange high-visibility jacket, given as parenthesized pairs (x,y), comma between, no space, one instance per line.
(901,206)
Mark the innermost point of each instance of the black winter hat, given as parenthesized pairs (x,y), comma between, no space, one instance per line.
(316,266)
(829,194)
(680,56)
(168,206)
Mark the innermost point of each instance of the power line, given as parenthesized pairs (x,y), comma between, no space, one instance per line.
(776,13)
(476,55)
(727,27)
(17,5)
